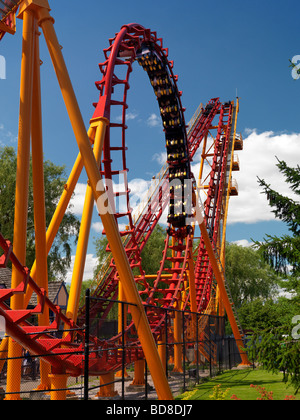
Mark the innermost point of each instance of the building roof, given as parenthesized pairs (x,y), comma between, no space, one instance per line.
(5,278)
(57,291)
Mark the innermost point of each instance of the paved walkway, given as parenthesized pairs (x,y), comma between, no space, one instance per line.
(176,382)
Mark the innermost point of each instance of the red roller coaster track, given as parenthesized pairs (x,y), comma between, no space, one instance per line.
(135,43)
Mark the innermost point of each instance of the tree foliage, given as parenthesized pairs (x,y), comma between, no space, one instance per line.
(59,258)
(151,254)
(276,347)
(277,351)
(284,253)
(248,275)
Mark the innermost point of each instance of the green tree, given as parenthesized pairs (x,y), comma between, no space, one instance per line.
(277,348)
(259,314)
(283,253)
(59,259)
(151,254)
(101,253)
(248,275)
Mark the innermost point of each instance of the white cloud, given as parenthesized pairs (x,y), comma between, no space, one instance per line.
(129,116)
(243,242)
(98,227)
(154,121)
(6,136)
(138,191)
(160,158)
(77,201)
(258,159)
(90,264)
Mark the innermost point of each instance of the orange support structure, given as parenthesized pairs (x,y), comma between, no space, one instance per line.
(182,282)
(108,220)
(22,186)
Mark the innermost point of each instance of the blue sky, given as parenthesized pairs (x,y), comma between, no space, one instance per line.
(219,48)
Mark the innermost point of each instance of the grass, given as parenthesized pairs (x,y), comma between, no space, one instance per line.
(239,382)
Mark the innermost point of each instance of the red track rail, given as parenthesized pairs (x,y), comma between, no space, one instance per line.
(213,205)
(132,43)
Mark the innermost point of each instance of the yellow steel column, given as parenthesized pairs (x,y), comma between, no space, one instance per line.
(59,213)
(21,198)
(108,219)
(193,296)
(39,199)
(80,259)
(223,293)
(107,391)
(220,282)
(192,284)
(202,160)
(223,244)
(178,339)
(162,351)
(139,373)
(177,331)
(122,323)
(3,352)
(58,387)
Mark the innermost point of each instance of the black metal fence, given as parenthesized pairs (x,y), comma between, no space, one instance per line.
(204,349)
(199,351)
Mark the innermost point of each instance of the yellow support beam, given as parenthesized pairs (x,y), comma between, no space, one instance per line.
(225,217)
(21,197)
(219,276)
(39,198)
(108,219)
(83,239)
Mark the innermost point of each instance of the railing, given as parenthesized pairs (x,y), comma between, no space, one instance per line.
(205,351)
(234,185)
(194,118)
(7,7)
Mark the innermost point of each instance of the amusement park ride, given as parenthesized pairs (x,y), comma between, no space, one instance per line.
(195,282)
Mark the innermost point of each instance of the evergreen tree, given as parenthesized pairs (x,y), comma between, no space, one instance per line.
(283,253)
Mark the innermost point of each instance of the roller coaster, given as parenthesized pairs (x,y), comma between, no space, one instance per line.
(191,275)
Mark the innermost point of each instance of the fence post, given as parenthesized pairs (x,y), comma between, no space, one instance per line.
(86,345)
(184,350)
(229,352)
(210,350)
(167,344)
(123,351)
(197,345)
(146,370)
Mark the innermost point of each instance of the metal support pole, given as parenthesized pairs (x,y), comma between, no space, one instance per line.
(60,211)
(184,350)
(108,219)
(22,186)
(197,345)
(223,292)
(87,345)
(177,343)
(82,245)
(210,351)
(39,200)
(167,345)
(123,351)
